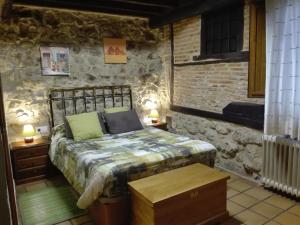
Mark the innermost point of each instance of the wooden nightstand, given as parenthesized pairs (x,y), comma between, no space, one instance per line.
(30,161)
(160,125)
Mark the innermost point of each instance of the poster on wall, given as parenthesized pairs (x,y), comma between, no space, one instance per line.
(55,61)
(115,50)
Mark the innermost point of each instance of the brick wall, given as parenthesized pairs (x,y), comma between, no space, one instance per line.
(186,39)
(211,86)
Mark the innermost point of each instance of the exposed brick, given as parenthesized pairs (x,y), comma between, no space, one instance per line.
(212,86)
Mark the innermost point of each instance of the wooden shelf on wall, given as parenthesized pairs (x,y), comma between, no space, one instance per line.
(258,125)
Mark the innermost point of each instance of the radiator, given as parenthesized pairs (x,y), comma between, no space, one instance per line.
(281,164)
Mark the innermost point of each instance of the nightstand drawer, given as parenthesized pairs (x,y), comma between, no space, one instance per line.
(32,152)
(32,162)
(22,174)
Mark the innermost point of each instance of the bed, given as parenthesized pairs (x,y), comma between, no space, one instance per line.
(99,169)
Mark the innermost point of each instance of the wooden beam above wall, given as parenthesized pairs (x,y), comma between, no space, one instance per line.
(145,8)
(5,8)
(188,9)
(160,12)
(255,124)
(159,4)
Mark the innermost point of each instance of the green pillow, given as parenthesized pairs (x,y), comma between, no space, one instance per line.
(116,109)
(85,126)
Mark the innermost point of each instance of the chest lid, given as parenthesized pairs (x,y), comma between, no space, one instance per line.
(157,188)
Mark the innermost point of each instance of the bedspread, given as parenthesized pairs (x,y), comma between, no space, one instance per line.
(103,166)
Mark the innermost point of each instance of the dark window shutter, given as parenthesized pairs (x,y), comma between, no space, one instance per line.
(257,65)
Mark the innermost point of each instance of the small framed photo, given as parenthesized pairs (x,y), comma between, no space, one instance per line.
(115,50)
(55,61)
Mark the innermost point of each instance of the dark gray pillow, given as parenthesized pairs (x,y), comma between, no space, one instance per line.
(68,130)
(122,122)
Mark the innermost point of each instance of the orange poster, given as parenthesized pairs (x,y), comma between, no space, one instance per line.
(115,50)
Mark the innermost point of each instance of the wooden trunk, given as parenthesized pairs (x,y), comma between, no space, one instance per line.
(191,195)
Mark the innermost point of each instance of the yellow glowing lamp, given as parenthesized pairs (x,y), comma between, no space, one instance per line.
(28,133)
(154,115)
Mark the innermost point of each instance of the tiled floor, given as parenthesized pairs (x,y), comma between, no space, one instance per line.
(250,204)
(247,204)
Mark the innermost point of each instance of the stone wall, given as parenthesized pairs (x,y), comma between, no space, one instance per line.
(239,148)
(26,90)
(211,87)
(206,87)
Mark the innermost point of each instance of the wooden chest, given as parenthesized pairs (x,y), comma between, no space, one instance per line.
(31,161)
(190,195)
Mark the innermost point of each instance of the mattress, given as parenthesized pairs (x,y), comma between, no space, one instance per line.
(102,167)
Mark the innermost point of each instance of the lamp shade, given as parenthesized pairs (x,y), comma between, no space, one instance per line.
(28,130)
(154,114)
(150,105)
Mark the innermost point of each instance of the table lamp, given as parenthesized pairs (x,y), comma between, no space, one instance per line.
(28,133)
(154,116)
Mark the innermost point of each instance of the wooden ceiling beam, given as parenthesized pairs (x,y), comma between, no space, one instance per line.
(159,4)
(160,12)
(191,8)
(119,8)
(5,8)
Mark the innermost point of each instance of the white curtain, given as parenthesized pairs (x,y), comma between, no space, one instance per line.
(282,107)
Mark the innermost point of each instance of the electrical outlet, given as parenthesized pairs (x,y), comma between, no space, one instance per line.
(43,130)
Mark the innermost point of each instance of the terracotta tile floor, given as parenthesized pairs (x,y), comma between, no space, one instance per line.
(250,204)
(247,203)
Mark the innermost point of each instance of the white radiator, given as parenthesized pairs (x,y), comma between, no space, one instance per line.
(281,164)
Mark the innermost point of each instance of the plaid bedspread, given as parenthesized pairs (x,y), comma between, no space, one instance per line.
(102,167)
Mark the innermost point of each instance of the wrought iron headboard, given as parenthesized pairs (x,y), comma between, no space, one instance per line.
(107,96)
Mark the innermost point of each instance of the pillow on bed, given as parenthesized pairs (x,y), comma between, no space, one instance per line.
(68,130)
(122,122)
(85,126)
(102,122)
(116,109)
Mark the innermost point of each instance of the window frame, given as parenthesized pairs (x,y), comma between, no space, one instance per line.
(240,41)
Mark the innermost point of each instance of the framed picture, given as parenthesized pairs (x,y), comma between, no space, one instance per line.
(55,61)
(115,50)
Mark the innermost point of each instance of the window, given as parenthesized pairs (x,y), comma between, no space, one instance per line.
(257,65)
(222,31)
